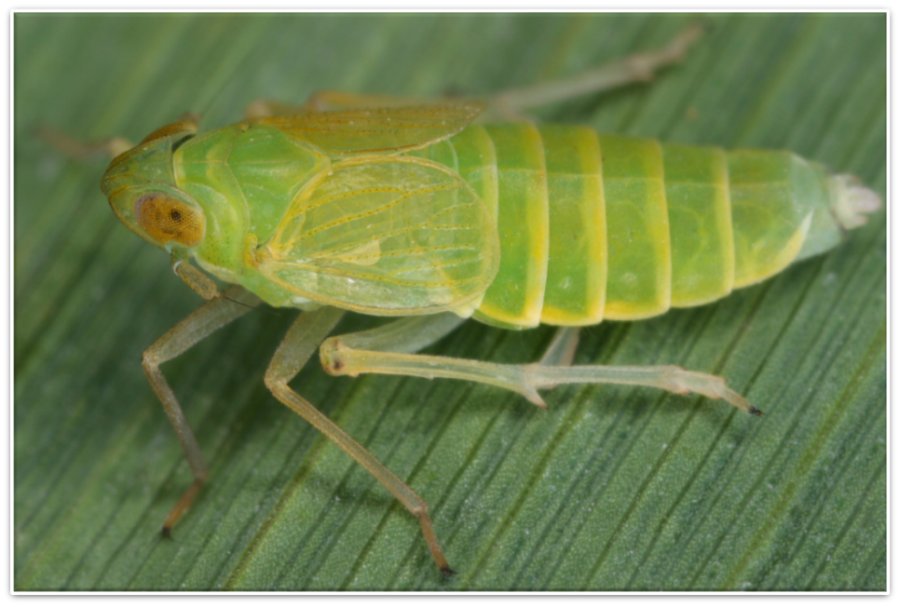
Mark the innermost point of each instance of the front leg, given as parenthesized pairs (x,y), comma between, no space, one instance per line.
(208,318)
(199,283)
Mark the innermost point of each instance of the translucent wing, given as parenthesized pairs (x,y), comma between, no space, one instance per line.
(386,236)
(377,129)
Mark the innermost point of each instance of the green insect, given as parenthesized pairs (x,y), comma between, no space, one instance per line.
(387,208)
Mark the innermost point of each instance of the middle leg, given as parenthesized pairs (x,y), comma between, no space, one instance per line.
(293,353)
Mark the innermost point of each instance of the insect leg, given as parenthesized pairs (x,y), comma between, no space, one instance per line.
(197,326)
(387,350)
(640,67)
(292,354)
(512,103)
(346,355)
(561,351)
(404,335)
(200,283)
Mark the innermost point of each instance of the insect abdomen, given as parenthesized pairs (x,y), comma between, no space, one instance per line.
(595,227)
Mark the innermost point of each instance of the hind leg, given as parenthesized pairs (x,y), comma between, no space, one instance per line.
(387,350)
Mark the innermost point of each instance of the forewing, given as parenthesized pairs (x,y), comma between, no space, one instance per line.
(377,129)
(386,236)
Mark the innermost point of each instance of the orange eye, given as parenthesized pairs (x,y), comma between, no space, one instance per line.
(165,219)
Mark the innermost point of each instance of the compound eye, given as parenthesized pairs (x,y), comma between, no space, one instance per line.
(164,219)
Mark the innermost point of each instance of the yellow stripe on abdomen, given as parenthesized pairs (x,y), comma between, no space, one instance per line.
(640,256)
(577,268)
(516,296)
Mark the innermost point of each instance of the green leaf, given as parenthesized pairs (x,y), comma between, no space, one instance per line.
(610,489)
